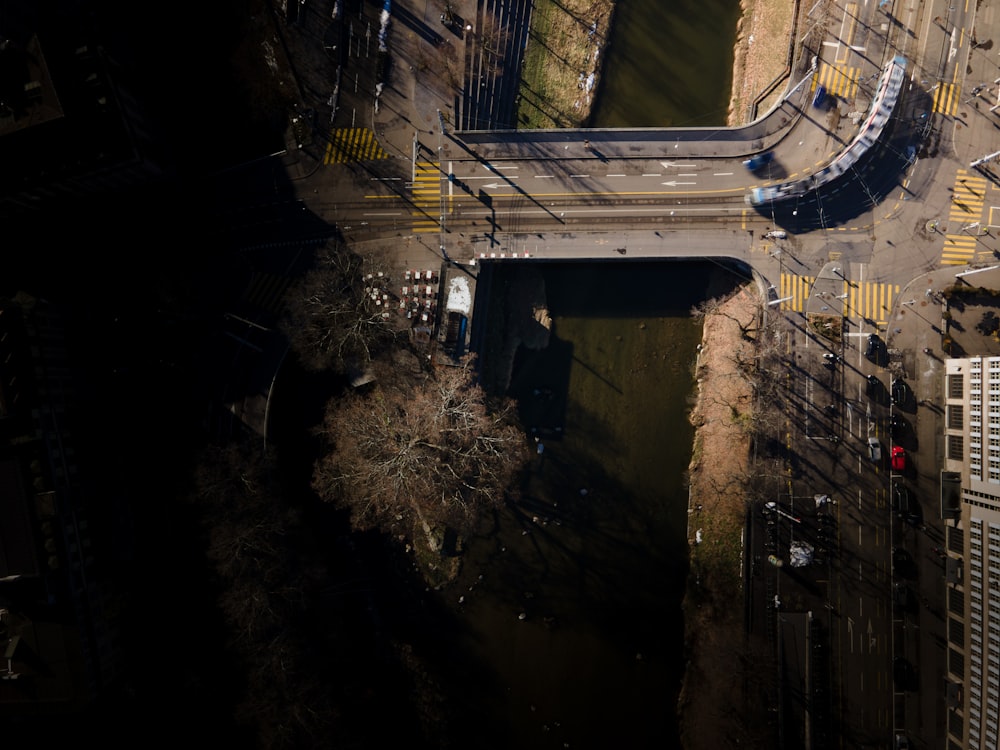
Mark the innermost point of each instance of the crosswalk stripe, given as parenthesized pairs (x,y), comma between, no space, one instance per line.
(870,299)
(959,249)
(353,145)
(796,287)
(840,80)
(946,98)
(266,291)
(426,192)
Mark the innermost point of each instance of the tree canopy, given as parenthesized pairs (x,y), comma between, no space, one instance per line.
(433,453)
(332,320)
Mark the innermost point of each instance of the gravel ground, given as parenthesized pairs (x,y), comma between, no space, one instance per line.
(761,53)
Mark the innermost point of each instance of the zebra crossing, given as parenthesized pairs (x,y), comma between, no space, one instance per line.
(426,197)
(946,98)
(839,80)
(867,299)
(967,200)
(266,291)
(353,145)
(794,291)
(870,300)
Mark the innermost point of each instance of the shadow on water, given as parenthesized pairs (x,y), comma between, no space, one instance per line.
(572,595)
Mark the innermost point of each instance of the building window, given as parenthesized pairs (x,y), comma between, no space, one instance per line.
(956,385)
(956,416)
(956,446)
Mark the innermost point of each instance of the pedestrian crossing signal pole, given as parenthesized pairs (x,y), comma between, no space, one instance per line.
(984,160)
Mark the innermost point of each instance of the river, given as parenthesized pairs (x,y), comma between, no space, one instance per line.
(570,601)
(668,64)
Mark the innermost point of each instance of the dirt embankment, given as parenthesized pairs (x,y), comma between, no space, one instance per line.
(760,56)
(712,705)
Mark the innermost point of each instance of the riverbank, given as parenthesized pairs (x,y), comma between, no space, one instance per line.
(760,57)
(560,76)
(718,655)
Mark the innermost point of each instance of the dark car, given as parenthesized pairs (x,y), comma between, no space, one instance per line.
(819,98)
(901,596)
(903,565)
(902,673)
(758,161)
(874,345)
(900,392)
(897,425)
(900,498)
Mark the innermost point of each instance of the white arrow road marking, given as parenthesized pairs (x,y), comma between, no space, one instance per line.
(674,183)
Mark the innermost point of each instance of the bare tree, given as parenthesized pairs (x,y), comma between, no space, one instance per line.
(254,546)
(430,455)
(333,319)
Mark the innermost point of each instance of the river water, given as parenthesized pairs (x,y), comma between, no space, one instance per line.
(571,600)
(668,64)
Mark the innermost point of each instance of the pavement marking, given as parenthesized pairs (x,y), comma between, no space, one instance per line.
(426,191)
(839,80)
(266,291)
(946,98)
(846,35)
(869,299)
(965,218)
(796,288)
(353,145)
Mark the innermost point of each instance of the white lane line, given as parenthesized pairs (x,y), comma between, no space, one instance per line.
(490,166)
(722,174)
(490,177)
(615,175)
(384,213)
(580,175)
(544,176)
(650,174)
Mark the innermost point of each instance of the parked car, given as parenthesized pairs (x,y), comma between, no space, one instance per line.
(819,98)
(900,391)
(897,425)
(898,458)
(902,742)
(901,596)
(903,673)
(900,498)
(903,564)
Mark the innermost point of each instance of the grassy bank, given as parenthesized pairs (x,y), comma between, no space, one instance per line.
(562,62)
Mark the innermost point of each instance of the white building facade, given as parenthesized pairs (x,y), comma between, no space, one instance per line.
(972,457)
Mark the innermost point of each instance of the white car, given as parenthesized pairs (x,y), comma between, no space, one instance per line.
(874,450)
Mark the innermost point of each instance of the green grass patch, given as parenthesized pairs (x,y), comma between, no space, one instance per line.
(565,46)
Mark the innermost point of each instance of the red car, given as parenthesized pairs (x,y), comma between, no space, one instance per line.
(898,458)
